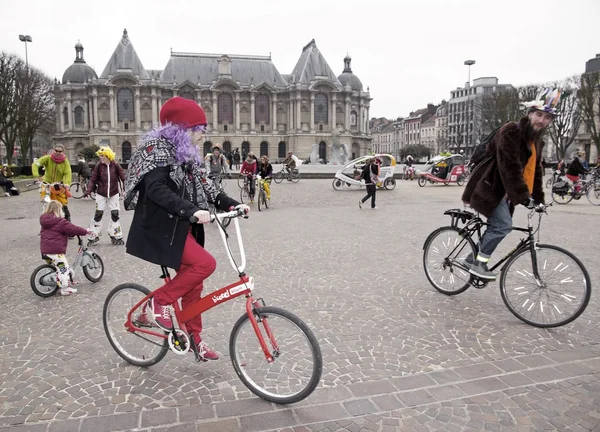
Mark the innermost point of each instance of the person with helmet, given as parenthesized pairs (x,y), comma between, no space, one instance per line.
(165,186)
(57,170)
(106,178)
(511,174)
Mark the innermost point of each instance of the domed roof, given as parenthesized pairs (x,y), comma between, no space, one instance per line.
(347,77)
(79,71)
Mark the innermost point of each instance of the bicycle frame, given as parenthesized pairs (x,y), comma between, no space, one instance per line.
(244,286)
(474,227)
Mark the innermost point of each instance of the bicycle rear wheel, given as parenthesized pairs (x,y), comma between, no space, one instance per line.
(297,366)
(563,197)
(558,298)
(43,280)
(137,348)
(295,176)
(444,254)
(77,191)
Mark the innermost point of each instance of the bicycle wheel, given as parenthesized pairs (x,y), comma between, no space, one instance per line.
(261,192)
(442,265)
(295,176)
(593,194)
(460,180)
(265,200)
(77,191)
(139,349)
(94,270)
(278,178)
(240,181)
(297,366)
(43,281)
(561,295)
(563,197)
(244,195)
(549,183)
(422,181)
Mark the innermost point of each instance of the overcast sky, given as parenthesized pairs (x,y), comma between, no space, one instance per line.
(408,52)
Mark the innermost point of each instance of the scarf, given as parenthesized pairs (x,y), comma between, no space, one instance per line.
(157,153)
(58,157)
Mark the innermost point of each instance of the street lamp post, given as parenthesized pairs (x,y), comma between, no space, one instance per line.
(468,63)
(27,38)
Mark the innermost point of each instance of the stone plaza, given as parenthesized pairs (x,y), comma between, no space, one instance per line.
(398,355)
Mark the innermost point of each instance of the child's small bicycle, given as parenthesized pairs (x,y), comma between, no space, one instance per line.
(43,278)
(273,352)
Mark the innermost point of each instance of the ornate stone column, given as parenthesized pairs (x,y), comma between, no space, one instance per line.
(215,112)
(252,113)
(359,120)
(347,116)
(274,113)
(333,111)
(237,112)
(298,111)
(154,106)
(290,124)
(95,107)
(312,112)
(136,103)
(86,113)
(111,95)
(70,111)
(367,122)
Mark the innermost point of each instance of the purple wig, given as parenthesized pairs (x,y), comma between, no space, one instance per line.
(185,150)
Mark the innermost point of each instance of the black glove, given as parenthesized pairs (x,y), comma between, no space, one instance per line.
(528,202)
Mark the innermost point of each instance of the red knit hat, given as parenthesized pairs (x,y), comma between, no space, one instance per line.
(183,112)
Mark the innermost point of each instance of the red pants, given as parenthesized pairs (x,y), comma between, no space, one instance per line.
(575,180)
(196,265)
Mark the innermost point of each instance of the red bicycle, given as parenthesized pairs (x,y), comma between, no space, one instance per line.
(273,352)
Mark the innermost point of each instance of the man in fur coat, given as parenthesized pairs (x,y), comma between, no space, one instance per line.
(510,174)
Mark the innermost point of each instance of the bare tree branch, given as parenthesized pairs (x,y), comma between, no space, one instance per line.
(589,101)
(563,130)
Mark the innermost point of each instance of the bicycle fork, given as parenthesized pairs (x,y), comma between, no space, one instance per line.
(251,309)
(534,264)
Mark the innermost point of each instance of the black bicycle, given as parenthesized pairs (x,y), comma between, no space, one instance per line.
(286,173)
(542,285)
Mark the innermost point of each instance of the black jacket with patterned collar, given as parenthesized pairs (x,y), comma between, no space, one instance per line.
(502,174)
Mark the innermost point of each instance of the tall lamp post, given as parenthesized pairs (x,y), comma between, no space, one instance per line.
(468,63)
(27,38)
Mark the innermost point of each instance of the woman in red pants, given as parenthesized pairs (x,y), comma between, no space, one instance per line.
(166,186)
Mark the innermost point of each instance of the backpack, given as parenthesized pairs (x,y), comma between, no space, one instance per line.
(480,152)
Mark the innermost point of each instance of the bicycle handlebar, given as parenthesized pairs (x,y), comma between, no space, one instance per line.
(232,214)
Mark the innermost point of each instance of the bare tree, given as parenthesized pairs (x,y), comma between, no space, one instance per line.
(563,130)
(36,110)
(11,68)
(589,101)
(498,108)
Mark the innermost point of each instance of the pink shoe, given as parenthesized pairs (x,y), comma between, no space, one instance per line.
(206,353)
(161,315)
(142,320)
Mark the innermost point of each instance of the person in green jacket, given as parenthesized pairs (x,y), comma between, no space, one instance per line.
(58,170)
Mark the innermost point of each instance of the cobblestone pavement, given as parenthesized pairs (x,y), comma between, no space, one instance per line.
(397,354)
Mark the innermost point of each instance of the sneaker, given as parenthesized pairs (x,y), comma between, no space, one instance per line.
(143,321)
(161,315)
(375,208)
(466,262)
(6,194)
(360,204)
(206,353)
(67,291)
(480,269)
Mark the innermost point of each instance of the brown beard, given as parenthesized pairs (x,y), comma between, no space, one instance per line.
(533,135)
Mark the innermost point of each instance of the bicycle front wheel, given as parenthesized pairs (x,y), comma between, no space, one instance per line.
(94,270)
(560,295)
(261,193)
(297,362)
(444,255)
(593,194)
(77,191)
(278,178)
(244,195)
(137,348)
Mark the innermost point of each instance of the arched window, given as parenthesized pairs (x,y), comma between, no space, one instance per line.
(264,148)
(78,115)
(125,105)
(225,108)
(245,148)
(282,150)
(262,108)
(323,150)
(207,146)
(321,109)
(353,117)
(126,151)
(226,147)
(66,116)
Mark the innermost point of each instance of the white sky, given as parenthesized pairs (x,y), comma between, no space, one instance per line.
(408,52)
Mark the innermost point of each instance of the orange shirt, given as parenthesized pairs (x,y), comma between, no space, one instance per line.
(529,170)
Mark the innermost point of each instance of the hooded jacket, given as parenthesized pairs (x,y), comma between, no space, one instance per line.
(55,233)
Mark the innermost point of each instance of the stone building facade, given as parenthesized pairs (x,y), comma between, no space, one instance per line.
(249,104)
